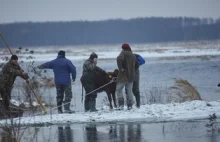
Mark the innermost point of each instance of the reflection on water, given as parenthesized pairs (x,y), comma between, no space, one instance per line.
(115,132)
(126,132)
(91,133)
(65,134)
(7,137)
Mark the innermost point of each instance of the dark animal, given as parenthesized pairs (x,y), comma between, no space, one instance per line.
(102,79)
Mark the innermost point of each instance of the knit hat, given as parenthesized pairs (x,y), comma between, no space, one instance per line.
(126,46)
(93,55)
(14,57)
(61,52)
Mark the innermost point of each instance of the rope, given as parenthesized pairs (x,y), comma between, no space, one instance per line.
(113,80)
(53,108)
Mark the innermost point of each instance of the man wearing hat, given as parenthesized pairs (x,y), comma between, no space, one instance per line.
(87,79)
(62,69)
(127,65)
(8,75)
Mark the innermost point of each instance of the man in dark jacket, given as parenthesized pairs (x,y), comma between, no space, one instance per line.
(88,77)
(8,75)
(136,89)
(62,69)
(127,64)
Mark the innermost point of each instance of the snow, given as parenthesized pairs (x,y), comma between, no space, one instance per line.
(148,113)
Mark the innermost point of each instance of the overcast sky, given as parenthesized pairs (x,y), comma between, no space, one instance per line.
(72,10)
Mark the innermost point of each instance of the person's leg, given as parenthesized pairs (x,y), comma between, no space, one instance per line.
(93,97)
(136,92)
(86,103)
(68,97)
(129,94)
(6,98)
(119,93)
(60,94)
(89,87)
(92,103)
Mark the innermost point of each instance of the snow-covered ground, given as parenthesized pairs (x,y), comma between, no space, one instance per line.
(148,113)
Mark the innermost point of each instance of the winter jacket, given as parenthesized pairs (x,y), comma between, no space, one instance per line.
(9,73)
(127,64)
(89,69)
(62,69)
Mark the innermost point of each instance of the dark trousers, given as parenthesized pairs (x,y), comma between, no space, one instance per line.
(90,98)
(135,88)
(6,97)
(61,90)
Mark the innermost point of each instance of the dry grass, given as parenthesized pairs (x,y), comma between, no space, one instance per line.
(183,91)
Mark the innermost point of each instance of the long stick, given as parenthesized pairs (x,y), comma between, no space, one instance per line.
(6,44)
(38,100)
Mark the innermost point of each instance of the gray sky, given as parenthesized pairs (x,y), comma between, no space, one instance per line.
(71,10)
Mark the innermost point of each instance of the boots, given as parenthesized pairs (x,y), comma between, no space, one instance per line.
(137,101)
(121,104)
(129,104)
(86,104)
(67,108)
(92,104)
(59,106)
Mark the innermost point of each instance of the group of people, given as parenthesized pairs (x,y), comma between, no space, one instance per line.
(65,73)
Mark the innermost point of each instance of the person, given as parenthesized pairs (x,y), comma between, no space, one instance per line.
(135,87)
(62,68)
(8,75)
(87,79)
(127,64)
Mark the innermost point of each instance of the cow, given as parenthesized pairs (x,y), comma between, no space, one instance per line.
(103,84)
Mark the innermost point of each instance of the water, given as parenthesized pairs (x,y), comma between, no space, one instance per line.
(123,132)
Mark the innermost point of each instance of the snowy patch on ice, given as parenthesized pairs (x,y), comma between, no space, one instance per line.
(148,113)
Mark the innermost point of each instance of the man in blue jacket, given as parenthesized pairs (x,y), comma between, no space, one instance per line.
(135,89)
(62,69)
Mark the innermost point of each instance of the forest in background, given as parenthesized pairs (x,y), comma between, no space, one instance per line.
(139,30)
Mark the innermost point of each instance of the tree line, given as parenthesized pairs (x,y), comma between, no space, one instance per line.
(139,30)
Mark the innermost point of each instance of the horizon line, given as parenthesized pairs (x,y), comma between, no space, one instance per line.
(103,20)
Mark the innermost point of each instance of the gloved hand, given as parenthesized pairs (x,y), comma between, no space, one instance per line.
(25,75)
(219,85)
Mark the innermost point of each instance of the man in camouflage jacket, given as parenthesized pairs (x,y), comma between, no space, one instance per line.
(88,77)
(8,75)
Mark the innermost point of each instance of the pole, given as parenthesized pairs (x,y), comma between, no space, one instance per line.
(38,100)
(36,97)
(6,44)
